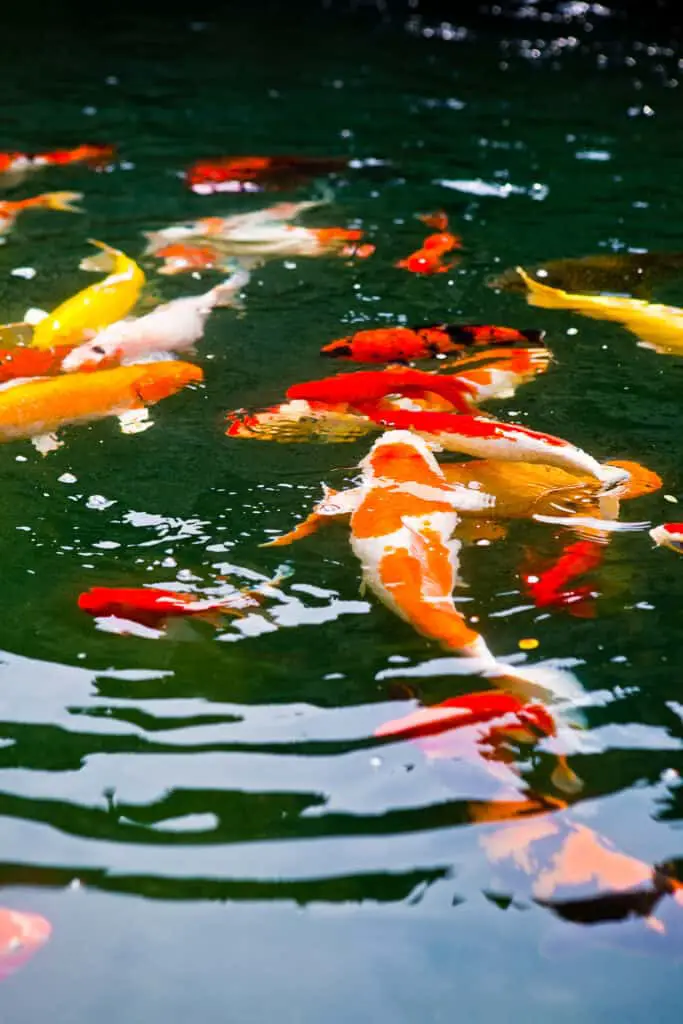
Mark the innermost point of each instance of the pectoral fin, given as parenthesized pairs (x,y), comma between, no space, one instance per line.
(134,421)
(46,443)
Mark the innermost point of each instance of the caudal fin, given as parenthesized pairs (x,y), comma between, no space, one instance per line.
(62,201)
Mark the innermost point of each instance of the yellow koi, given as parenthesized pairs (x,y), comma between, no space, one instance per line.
(657,326)
(37,408)
(97,306)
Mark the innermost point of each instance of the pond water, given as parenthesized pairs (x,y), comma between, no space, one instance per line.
(204,817)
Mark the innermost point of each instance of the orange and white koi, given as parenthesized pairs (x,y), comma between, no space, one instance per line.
(402,344)
(93,308)
(14,167)
(658,327)
(38,407)
(669,535)
(9,211)
(219,229)
(173,327)
(403,516)
(21,936)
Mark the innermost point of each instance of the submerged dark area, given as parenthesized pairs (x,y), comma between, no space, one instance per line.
(206,818)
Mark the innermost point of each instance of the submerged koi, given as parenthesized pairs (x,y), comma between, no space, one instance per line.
(476,435)
(362,386)
(402,344)
(21,936)
(429,258)
(658,327)
(97,306)
(255,173)
(14,167)
(403,516)
(9,211)
(151,605)
(37,408)
(547,586)
(173,327)
(669,535)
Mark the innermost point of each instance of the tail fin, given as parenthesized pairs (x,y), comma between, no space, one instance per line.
(62,201)
(542,294)
(103,262)
(226,293)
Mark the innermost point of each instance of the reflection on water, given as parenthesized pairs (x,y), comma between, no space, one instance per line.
(177,800)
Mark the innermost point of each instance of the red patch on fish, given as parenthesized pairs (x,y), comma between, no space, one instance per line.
(371,385)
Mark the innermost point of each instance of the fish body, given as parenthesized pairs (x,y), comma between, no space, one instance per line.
(39,407)
(548,589)
(173,327)
(150,606)
(429,259)
(255,173)
(95,307)
(402,344)
(669,535)
(362,386)
(21,936)
(14,167)
(657,326)
(487,438)
(9,211)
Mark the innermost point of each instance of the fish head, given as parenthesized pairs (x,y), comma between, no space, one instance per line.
(159,380)
(394,452)
(21,935)
(669,535)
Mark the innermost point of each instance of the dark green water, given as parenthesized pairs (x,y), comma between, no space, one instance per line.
(205,822)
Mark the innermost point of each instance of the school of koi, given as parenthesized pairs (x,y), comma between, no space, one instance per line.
(408,513)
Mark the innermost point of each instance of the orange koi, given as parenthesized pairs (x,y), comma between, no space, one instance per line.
(37,408)
(256,173)
(9,211)
(402,344)
(21,936)
(547,586)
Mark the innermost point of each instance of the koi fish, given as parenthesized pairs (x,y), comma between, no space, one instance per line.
(547,586)
(181,258)
(38,407)
(479,436)
(429,258)
(669,535)
(31,362)
(402,344)
(221,228)
(9,211)
(658,327)
(173,327)
(576,873)
(256,173)
(95,307)
(151,605)
(497,719)
(356,389)
(402,519)
(14,167)
(21,936)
